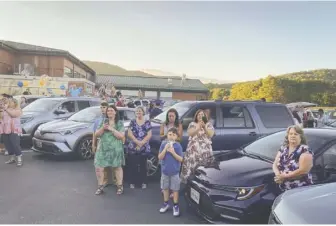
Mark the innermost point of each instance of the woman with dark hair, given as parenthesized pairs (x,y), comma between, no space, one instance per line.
(172,120)
(294,161)
(199,149)
(110,150)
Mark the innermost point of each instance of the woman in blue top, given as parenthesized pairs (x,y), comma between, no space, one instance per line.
(139,133)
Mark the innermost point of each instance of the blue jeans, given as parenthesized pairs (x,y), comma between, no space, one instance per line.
(12,144)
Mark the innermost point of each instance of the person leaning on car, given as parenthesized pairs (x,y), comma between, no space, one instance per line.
(98,121)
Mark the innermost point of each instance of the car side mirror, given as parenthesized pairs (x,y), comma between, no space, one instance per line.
(59,112)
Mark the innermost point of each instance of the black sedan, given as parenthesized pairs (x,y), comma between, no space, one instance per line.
(238,186)
(306,205)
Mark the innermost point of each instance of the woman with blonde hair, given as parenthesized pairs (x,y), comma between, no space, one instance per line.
(139,133)
(11,129)
(110,150)
(294,161)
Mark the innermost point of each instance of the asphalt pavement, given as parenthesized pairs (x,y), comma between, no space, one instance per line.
(49,190)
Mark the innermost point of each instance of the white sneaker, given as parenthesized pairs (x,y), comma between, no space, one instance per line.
(176,211)
(132,186)
(144,186)
(164,208)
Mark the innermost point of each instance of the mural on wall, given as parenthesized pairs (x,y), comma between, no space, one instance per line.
(74,91)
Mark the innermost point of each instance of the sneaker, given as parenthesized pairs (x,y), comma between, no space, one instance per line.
(11,160)
(144,186)
(19,160)
(164,208)
(176,211)
(132,186)
(6,153)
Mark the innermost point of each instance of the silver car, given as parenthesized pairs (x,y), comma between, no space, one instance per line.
(73,135)
(48,109)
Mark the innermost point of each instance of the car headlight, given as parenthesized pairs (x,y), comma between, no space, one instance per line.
(71,131)
(248,192)
(25,120)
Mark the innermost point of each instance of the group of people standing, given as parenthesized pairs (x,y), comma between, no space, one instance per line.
(306,119)
(175,167)
(10,128)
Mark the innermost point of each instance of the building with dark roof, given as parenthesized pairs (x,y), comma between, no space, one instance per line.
(26,59)
(177,88)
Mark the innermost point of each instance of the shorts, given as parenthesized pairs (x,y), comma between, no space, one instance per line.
(170,182)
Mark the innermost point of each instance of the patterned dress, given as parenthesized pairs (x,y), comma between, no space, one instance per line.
(290,162)
(199,151)
(110,150)
(139,132)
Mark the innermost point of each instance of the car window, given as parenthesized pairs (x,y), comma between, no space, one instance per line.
(329,157)
(86,115)
(145,103)
(94,103)
(181,109)
(30,100)
(332,115)
(236,117)
(126,115)
(68,106)
(137,103)
(275,116)
(208,108)
(268,146)
(41,105)
(82,104)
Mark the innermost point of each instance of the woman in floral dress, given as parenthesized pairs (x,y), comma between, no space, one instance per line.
(199,149)
(110,150)
(294,161)
(139,133)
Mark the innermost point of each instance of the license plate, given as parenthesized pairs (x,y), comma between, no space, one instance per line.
(38,144)
(194,195)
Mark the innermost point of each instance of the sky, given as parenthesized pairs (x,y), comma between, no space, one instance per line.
(231,41)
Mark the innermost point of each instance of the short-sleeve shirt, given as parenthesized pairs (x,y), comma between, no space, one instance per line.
(98,122)
(289,163)
(169,165)
(139,132)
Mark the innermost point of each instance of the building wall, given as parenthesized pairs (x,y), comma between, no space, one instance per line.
(189,96)
(6,62)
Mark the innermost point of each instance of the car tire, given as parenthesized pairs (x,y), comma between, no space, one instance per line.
(84,149)
(153,166)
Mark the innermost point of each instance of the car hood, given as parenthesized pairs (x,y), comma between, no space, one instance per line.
(29,114)
(307,205)
(231,168)
(62,125)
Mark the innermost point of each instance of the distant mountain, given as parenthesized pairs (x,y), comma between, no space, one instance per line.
(110,69)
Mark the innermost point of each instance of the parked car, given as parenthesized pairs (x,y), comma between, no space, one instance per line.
(29,98)
(73,135)
(238,186)
(307,205)
(330,116)
(236,122)
(48,109)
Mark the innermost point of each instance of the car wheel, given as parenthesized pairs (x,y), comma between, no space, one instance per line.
(84,149)
(152,165)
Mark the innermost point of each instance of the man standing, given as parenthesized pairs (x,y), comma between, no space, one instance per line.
(98,122)
(156,110)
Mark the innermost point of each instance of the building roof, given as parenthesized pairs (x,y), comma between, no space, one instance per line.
(40,50)
(152,83)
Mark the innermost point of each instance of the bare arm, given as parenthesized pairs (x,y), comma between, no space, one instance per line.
(130,135)
(275,164)
(180,131)
(162,154)
(305,165)
(162,135)
(148,137)
(209,131)
(14,113)
(99,132)
(193,130)
(177,157)
(118,134)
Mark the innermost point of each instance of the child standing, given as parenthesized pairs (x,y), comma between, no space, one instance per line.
(171,157)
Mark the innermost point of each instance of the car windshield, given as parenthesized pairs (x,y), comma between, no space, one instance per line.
(86,115)
(181,108)
(268,146)
(41,105)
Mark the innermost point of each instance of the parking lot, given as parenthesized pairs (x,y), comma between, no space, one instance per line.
(49,190)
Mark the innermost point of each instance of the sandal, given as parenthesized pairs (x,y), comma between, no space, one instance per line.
(120,189)
(100,190)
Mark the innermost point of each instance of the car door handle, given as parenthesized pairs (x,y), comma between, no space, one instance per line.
(252,134)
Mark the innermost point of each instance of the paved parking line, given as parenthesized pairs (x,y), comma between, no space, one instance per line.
(27,151)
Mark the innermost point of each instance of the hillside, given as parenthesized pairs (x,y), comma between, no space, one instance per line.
(109,69)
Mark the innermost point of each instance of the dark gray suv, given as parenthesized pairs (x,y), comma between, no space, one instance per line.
(236,123)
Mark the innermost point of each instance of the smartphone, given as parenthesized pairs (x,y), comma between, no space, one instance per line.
(204,119)
(106,121)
